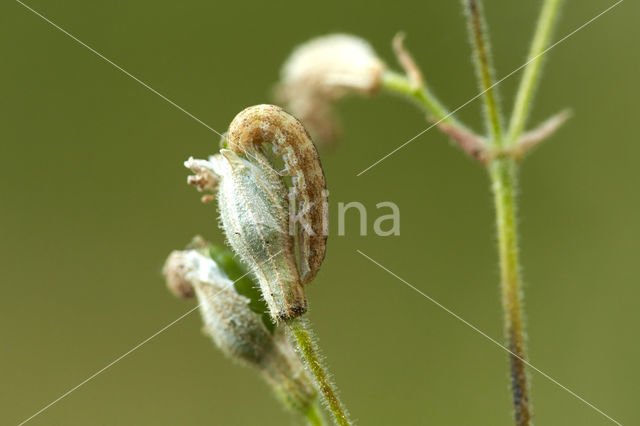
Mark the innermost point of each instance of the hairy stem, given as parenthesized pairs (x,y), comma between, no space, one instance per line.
(502,172)
(531,76)
(504,182)
(300,330)
(484,69)
(397,83)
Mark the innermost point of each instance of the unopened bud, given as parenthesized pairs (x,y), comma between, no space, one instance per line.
(323,70)
(239,331)
(176,276)
(334,65)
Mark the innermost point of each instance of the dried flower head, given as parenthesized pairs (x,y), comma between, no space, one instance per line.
(205,179)
(239,331)
(322,70)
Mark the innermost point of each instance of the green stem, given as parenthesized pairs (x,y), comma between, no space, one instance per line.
(399,84)
(314,418)
(503,173)
(531,75)
(484,69)
(299,329)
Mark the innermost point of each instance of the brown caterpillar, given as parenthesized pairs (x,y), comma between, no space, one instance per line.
(262,124)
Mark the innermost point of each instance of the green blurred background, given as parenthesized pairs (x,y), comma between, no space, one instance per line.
(93,198)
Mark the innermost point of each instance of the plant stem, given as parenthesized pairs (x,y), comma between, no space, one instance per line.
(503,174)
(400,84)
(300,330)
(484,69)
(502,171)
(314,418)
(504,182)
(531,76)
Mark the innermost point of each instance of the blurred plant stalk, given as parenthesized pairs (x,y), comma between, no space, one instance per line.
(500,151)
(326,69)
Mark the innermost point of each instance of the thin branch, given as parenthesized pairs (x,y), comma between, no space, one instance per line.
(470,143)
(484,69)
(413,85)
(532,138)
(531,75)
(406,61)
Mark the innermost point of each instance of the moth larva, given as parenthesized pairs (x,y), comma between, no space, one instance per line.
(258,125)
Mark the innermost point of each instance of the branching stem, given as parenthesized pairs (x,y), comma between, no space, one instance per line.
(502,172)
(502,168)
(402,85)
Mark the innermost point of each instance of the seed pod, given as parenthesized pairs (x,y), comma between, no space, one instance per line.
(238,331)
(259,125)
(255,217)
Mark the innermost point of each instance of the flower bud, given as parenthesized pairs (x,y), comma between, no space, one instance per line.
(255,217)
(334,65)
(239,331)
(323,70)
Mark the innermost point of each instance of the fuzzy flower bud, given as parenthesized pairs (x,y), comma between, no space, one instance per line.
(254,212)
(175,274)
(239,331)
(334,65)
(323,70)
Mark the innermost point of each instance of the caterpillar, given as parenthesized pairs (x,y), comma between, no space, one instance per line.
(251,130)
